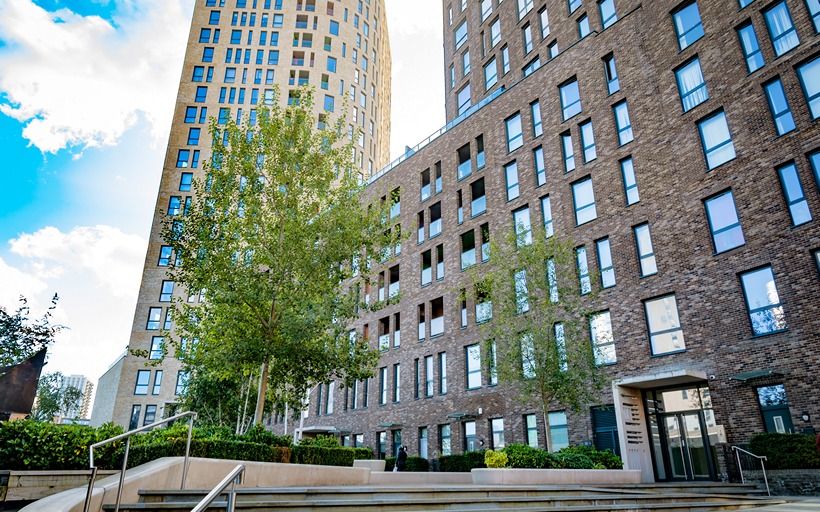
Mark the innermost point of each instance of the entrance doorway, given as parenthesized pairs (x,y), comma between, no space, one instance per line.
(683,432)
(775,409)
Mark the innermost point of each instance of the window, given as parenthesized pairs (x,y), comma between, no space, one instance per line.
(485,242)
(560,341)
(523,229)
(588,141)
(814,10)
(492,364)
(483,304)
(154,317)
(605,266)
(779,106)
(486,9)
(157,382)
(396,383)
(663,322)
(691,86)
(461,34)
(762,301)
(190,114)
(613,85)
(526,34)
(540,168)
(464,168)
(809,74)
(515,137)
(135,417)
(444,439)
(531,431)
(583,26)
(463,99)
(646,253)
(750,46)
(473,366)
(511,176)
(164,256)
(428,376)
(214,18)
(559,438)
(201,94)
(532,66)
(582,266)
(436,317)
(435,220)
(465,62)
(600,327)
(537,126)
(716,140)
(490,74)
(426,268)
(546,213)
(544,20)
(584,200)
(630,183)
(495,32)
(570,99)
(167,291)
(793,192)
(607,9)
(623,123)
(781,29)
(141,387)
(331,64)
(522,302)
(442,373)
(687,25)
(505,60)
(479,199)
(383,385)
(157,343)
(468,250)
(574,5)
(724,223)
(524,6)
(814,158)
(568,152)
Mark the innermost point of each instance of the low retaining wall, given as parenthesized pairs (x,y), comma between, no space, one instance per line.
(419,478)
(492,476)
(34,485)
(788,482)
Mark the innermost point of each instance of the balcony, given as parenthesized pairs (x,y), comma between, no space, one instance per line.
(425,192)
(426,276)
(435,228)
(393,290)
(478,206)
(464,169)
(437,326)
(467,259)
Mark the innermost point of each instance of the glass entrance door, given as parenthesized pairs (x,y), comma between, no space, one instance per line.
(687,452)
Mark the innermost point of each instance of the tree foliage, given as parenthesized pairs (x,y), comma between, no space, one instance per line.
(538,337)
(21,337)
(53,399)
(222,397)
(268,240)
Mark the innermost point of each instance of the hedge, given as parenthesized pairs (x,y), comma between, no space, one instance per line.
(306,454)
(461,462)
(786,451)
(418,464)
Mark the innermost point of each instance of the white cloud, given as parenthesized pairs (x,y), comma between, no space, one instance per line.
(79,81)
(112,257)
(14,283)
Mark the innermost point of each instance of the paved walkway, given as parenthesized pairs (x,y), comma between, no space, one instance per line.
(803,505)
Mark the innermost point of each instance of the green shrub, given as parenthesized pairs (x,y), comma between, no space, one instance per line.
(419,464)
(786,451)
(524,456)
(461,462)
(389,462)
(306,454)
(208,448)
(320,440)
(34,445)
(493,459)
(261,435)
(605,458)
(573,461)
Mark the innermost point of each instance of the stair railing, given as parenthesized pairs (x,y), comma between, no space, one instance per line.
(127,437)
(760,458)
(230,479)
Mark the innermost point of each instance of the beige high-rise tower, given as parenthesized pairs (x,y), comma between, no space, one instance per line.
(237,51)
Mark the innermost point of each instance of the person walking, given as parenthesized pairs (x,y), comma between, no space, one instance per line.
(401,459)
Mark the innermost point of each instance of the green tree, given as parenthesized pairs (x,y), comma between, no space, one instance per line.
(538,311)
(269,239)
(21,337)
(222,397)
(53,399)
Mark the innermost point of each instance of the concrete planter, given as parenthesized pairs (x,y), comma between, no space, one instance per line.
(507,476)
(788,482)
(33,485)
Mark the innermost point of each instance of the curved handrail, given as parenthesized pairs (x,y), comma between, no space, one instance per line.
(230,479)
(761,458)
(127,437)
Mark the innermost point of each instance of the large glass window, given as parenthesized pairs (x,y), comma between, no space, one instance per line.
(582,266)
(724,223)
(157,343)
(687,25)
(524,6)
(154,318)
(568,152)
(497,428)
(623,123)
(603,342)
(795,197)
(605,266)
(779,106)
(526,34)
(544,20)
(537,126)
(763,302)
(570,99)
(470,442)
(511,177)
(540,166)
(608,16)
(143,377)
(781,28)
(584,201)
(630,182)
(490,74)
(814,10)
(444,439)
(665,333)
(751,48)
(523,228)
(559,437)
(522,302)
(613,85)
(473,366)
(810,79)
(546,214)
(588,141)
(515,137)
(646,253)
(461,34)
(691,86)
(495,32)
(531,426)
(716,140)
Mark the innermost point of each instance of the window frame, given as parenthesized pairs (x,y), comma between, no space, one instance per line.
(749,310)
(707,151)
(770,88)
(724,229)
(651,333)
(682,42)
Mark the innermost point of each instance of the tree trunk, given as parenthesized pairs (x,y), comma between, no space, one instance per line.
(547,431)
(263,389)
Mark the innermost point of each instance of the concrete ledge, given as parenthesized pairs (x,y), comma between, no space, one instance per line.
(35,485)
(419,478)
(371,464)
(506,476)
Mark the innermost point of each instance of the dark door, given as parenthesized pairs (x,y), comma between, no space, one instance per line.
(687,450)
(605,428)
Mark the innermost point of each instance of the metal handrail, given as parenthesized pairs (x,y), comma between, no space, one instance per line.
(761,458)
(127,437)
(230,479)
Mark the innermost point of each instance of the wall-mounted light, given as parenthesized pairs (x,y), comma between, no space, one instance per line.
(481,442)
(806,416)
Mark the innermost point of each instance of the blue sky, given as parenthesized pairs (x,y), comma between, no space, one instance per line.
(87,90)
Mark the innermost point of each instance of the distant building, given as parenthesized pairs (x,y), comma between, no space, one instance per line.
(86,387)
(103,410)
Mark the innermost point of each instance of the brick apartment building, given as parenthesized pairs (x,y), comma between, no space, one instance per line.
(675,143)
